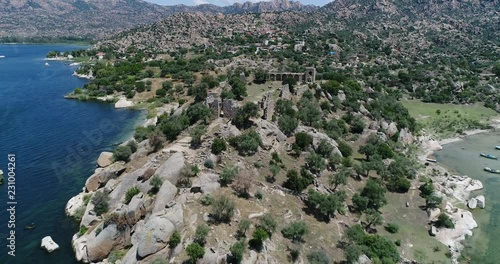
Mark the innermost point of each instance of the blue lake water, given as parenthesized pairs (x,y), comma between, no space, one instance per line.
(56,142)
(463,157)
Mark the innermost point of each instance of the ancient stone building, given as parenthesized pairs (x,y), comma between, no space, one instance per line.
(309,76)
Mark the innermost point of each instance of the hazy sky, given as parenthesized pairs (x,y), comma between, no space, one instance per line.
(226,2)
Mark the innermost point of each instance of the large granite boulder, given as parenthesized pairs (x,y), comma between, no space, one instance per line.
(79,244)
(472,204)
(74,204)
(135,210)
(89,217)
(99,247)
(433,213)
(131,256)
(206,183)
(103,175)
(155,236)
(405,136)
(127,181)
(392,129)
(175,215)
(105,159)
(480,201)
(432,230)
(165,195)
(268,130)
(170,170)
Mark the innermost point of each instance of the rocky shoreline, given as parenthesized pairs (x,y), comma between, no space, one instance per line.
(456,191)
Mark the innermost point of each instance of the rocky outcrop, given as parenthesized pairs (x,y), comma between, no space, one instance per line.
(170,169)
(206,183)
(228,131)
(269,134)
(165,195)
(405,136)
(105,159)
(136,209)
(74,204)
(392,129)
(99,247)
(123,103)
(102,175)
(155,236)
(464,224)
(318,137)
(267,105)
(433,213)
(48,244)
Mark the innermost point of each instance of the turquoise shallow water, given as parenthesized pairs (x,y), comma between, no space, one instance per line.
(56,142)
(464,158)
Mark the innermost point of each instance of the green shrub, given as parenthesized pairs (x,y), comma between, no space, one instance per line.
(86,199)
(130,194)
(258,237)
(122,153)
(156,140)
(83,230)
(247,144)
(156,182)
(206,200)
(287,124)
(201,233)
(175,239)
(318,257)
(100,201)
(392,228)
(243,227)
(195,252)
(259,195)
(303,140)
(218,145)
(132,145)
(208,163)
(238,250)
(444,221)
(78,215)
(268,223)
(398,242)
(223,209)
(228,174)
(344,148)
(295,231)
(116,255)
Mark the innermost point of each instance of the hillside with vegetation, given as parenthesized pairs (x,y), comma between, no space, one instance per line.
(233,166)
(77,20)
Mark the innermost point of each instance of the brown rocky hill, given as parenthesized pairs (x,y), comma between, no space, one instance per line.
(93,19)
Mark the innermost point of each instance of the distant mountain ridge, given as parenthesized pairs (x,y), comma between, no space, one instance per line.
(94,19)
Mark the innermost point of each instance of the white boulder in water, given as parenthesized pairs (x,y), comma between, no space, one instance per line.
(472,204)
(480,201)
(49,244)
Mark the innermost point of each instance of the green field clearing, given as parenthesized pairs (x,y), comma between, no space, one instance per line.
(446,120)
